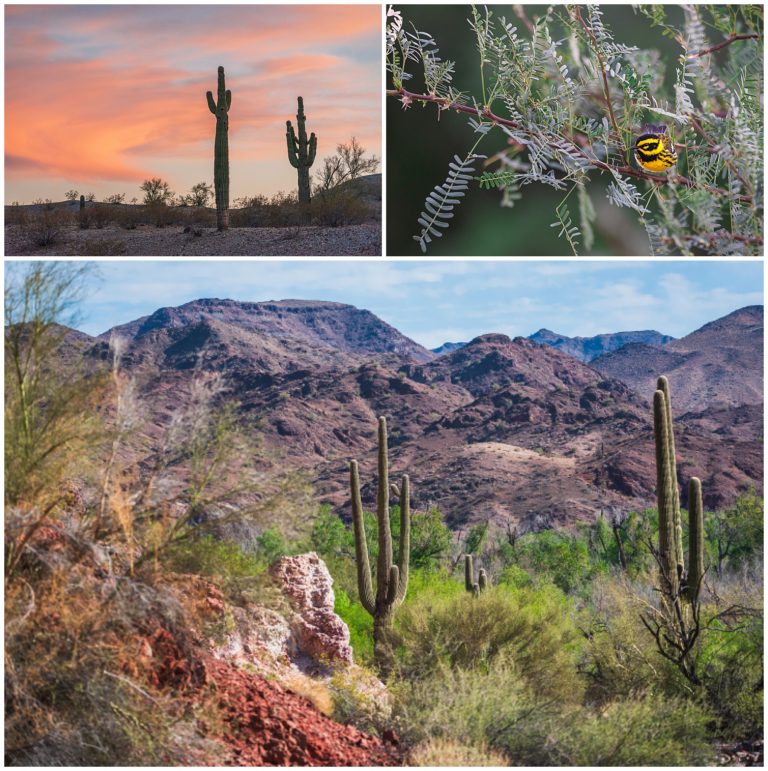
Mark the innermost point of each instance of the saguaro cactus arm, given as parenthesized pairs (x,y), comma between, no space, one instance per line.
(665,498)
(482,579)
(695,540)
(469,575)
(382,514)
(663,385)
(364,581)
(405,538)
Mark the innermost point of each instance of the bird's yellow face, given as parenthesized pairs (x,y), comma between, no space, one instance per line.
(655,152)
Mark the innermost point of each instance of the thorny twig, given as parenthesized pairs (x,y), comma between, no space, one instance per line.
(731,39)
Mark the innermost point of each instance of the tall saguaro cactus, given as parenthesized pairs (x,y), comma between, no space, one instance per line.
(674,579)
(675,624)
(301,151)
(220,108)
(391,579)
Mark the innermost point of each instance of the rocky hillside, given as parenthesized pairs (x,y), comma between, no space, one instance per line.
(719,365)
(502,429)
(589,348)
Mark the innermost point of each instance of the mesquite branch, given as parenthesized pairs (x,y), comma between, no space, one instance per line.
(731,39)
(407,97)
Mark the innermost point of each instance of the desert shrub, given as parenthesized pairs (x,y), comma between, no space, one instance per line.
(272,545)
(101,247)
(85,218)
(101,215)
(731,656)
(281,211)
(47,227)
(336,208)
(129,217)
(72,195)
(161,215)
(732,659)
(115,198)
(474,706)
(734,536)
(199,195)
(641,731)
(202,217)
(50,420)
(533,628)
(16,215)
(444,751)
(620,658)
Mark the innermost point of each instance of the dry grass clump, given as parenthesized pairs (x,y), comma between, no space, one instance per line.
(445,751)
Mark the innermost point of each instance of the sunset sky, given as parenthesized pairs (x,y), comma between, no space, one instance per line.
(100,98)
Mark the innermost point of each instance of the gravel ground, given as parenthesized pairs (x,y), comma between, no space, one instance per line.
(149,241)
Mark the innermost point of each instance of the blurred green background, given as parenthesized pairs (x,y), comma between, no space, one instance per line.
(419,150)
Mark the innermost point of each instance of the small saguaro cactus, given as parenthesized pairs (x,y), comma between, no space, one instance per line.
(82,202)
(469,577)
(391,580)
(674,579)
(220,108)
(301,151)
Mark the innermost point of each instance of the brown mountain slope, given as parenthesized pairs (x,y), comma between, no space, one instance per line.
(334,325)
(720,364)
(498,429)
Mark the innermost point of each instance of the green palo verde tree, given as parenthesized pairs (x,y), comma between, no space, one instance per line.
(301,151)
(391,579)
(469,577)
(676,622)
(570,99)
(220,108)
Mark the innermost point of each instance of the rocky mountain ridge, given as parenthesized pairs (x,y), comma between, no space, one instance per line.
(587,349)
(499,429)
(719,364)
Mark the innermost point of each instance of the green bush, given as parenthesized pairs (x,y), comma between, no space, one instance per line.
(534,628)
(360,624)
(559,557)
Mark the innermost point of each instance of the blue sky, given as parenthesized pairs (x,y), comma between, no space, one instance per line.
(437,301)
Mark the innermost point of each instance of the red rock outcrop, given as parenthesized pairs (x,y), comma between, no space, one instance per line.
(318,631)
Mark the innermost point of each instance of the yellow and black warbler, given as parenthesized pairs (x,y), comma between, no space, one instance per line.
(654,149)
